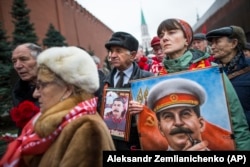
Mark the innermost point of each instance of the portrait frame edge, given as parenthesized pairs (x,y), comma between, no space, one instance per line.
(118,91)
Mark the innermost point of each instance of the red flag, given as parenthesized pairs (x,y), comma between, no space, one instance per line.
(204,29)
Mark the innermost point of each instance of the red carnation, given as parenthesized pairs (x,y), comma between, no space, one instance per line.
(15,115)
(23,113)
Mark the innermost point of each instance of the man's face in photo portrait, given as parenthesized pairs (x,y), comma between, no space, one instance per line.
(117,109)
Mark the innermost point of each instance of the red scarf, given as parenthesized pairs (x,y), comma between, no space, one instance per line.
(156,66)
(29,143)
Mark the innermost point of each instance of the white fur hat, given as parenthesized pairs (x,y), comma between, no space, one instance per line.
(73,65)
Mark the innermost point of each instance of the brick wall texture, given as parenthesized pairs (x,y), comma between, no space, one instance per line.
(75,23)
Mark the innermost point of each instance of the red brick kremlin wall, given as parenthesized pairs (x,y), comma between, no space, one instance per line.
(76,24)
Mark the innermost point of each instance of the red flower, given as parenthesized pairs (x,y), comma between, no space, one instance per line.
(23,113)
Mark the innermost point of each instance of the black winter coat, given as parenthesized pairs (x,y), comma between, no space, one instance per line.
(23,91)
(134,136)
(241,84)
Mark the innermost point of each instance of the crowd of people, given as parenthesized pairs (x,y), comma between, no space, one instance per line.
(65,83)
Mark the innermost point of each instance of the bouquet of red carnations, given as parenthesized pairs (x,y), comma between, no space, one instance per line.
(23,113)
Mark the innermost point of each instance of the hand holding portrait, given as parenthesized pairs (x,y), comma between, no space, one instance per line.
(135,107)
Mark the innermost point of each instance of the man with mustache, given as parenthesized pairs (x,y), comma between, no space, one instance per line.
(178,112)
(116,119)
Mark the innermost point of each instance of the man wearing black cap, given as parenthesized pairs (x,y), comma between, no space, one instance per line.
(200,43)
(122,48)
(227,44)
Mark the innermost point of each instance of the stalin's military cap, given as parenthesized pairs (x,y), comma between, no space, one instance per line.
(174,93)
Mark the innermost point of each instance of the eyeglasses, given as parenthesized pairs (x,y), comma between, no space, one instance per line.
(157,50)
(41,85)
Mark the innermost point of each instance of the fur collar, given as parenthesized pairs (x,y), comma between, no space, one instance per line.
(49,120)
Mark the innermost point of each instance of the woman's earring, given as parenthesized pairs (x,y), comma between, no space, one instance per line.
(62,99)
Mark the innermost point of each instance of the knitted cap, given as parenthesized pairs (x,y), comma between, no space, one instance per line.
(155,41)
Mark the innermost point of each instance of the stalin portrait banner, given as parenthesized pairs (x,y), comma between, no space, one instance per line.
(182,110)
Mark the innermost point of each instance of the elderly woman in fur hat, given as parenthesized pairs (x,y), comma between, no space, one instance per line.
(68,131)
